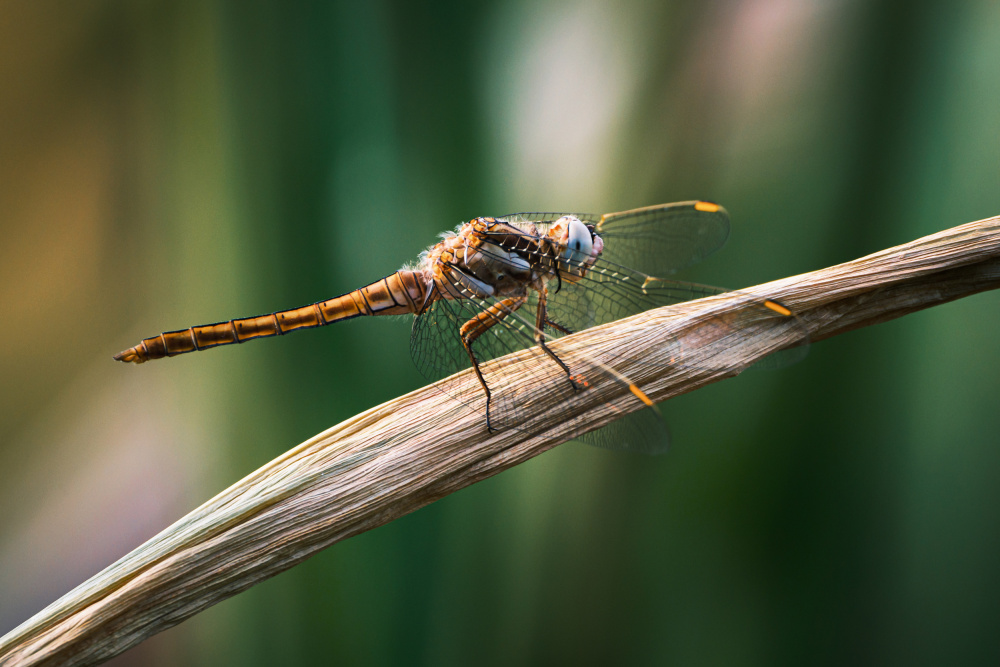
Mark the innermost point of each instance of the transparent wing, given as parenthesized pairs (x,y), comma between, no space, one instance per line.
(610,292)
(656,240)
(521,388)
(533,382)
(525,387)
(740,325)
(643,432)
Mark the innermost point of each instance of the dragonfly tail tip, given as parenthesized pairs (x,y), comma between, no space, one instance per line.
(129,355)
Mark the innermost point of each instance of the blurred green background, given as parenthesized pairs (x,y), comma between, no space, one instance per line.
(164,164)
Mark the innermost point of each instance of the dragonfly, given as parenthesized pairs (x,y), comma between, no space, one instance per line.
(510,285)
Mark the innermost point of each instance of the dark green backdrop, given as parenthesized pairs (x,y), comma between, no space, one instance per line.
(174,163)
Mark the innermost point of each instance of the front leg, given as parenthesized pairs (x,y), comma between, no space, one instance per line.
(479,325)
(541,319)
(557,326)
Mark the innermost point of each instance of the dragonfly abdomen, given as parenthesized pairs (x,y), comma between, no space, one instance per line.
(397,294)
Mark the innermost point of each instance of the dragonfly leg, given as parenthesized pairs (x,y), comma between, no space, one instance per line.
(479,325)
(557,327)
(540,320)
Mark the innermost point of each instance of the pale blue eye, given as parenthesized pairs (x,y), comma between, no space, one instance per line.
(579,242)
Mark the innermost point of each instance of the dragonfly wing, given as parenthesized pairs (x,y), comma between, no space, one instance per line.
(437,350)
(643,432)
(607,293)
(521,387)
(739,325)
(646,432)
(610,292)
(659,240)
(525,387)
(656,240)
(533,383)
(542,220)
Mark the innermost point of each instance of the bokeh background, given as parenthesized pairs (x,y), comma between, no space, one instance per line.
(164,164)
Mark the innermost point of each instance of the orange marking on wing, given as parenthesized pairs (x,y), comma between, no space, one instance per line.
(642,396)
(778,308)
(706,206)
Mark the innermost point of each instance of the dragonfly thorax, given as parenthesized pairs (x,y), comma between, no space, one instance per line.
(505,270)
(488,257)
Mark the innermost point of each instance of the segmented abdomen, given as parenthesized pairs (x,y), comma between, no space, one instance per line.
(397,294)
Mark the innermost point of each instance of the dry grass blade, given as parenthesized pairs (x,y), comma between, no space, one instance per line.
(407,453)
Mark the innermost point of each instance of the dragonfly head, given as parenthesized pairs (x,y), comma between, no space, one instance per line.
(580,244)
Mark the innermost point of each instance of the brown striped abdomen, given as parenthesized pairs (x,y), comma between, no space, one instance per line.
(397,294)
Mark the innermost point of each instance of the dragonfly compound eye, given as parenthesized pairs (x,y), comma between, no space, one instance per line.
(579,242)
